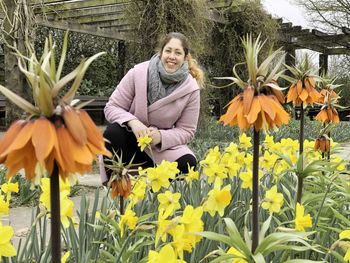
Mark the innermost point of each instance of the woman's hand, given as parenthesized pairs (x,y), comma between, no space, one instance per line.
(155,135)
(138,128)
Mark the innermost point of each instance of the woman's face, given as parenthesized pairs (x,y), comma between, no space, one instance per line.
(173,55)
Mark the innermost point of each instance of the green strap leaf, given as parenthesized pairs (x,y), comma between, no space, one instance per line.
(19,101)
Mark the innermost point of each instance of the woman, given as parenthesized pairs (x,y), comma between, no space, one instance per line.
(159,98)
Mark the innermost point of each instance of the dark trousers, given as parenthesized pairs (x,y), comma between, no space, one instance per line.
(124,143)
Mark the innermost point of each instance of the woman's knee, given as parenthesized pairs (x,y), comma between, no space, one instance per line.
(185,161)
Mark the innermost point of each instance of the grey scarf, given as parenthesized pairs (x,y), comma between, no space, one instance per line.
(161,83)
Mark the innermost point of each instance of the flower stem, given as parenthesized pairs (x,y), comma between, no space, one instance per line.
(55,216)
(121,205)
(255,212)
(301,150)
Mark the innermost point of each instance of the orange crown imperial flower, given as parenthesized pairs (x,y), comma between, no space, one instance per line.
(303,85)
(260,103)
(329,102)
(55,133)
(323,144)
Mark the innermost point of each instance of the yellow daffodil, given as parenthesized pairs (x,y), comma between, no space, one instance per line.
(180,242)
(240,158)
(215,171)
(245,141)
(45,188)
(230,164)
(9,188)
(66,205)
(248,161)
(232,149)
(239,257)
(6,248)
(218,199)
(347,255)
(163,226)
(269,141)
(65,257)
(269,160)
(56,132)
(144,142)
(191,219)
(66,208)
(273,201)
(213,156)
(168,203)
(138,191)
(247,178)
(345,234)
(4,206)
(128,219)
(191,175)
(159,176)
(302,221)
(166,254)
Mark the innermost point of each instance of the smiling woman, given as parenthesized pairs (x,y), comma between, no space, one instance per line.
(158,98)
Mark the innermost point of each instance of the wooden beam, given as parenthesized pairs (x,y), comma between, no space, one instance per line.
(85,29)
(345,30)
(337,51)
(101,18)
(70,5)
(84,12)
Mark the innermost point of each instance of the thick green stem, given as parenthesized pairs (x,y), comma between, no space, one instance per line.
(301,150)
(255,212)
(55,216)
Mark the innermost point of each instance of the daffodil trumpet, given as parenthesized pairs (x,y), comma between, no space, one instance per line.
(58,138)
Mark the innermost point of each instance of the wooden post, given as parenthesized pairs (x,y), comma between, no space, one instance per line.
(121,59)
(323,63)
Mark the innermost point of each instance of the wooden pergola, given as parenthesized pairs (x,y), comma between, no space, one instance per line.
(295,37)
(105,18)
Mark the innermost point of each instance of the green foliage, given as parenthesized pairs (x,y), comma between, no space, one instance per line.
(166,16)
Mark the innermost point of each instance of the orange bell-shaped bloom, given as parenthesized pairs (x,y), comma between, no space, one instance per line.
(121,186)
(36,145)
(328,115)
(328,99)
(264,113)
(322,144)
(303,92)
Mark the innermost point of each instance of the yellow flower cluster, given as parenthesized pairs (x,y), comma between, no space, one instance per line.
(66,204)
(6,232)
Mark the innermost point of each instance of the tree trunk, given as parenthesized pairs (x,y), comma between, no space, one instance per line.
(16,34)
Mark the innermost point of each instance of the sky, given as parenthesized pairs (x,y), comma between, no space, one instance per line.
(287,10)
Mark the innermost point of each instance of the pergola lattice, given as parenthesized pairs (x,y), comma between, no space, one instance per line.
(295,37)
